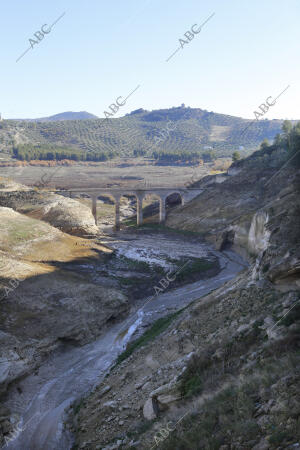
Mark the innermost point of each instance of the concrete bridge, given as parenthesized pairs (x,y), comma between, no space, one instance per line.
(116,193)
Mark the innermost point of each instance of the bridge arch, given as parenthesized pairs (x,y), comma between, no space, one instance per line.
(180,194)
(138,207)
(116,198)
(162,203)
(96,196)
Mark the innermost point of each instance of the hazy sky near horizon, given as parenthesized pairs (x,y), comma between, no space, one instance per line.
(99,51)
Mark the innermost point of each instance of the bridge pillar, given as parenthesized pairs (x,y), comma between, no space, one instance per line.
(182,200)
(94,208)
(139,210)
(117,214)
(162,209)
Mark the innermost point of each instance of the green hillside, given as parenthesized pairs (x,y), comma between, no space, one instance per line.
(176,130)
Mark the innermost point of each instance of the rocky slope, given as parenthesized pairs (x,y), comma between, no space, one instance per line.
(225,373)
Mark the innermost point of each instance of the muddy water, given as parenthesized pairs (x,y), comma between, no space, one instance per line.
(42,406)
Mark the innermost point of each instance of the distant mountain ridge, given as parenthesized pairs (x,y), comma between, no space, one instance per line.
(67,115)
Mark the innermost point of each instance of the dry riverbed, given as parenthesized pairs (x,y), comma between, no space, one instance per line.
(145,262)
(73,371)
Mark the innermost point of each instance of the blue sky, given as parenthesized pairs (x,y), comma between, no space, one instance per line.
(102,50)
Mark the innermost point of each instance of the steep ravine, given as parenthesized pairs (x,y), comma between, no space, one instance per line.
(39,400)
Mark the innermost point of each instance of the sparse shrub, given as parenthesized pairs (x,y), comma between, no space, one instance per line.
(192,386)
(266,267)
(277,437)
(191,381)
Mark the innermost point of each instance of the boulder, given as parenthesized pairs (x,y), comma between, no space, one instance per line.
(68,215)
(110,406)
(104,391)
(150,409)
(166,393)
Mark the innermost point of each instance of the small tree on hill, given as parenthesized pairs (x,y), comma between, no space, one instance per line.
(236,156)
(287,127)
(264,144)
(278,140)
